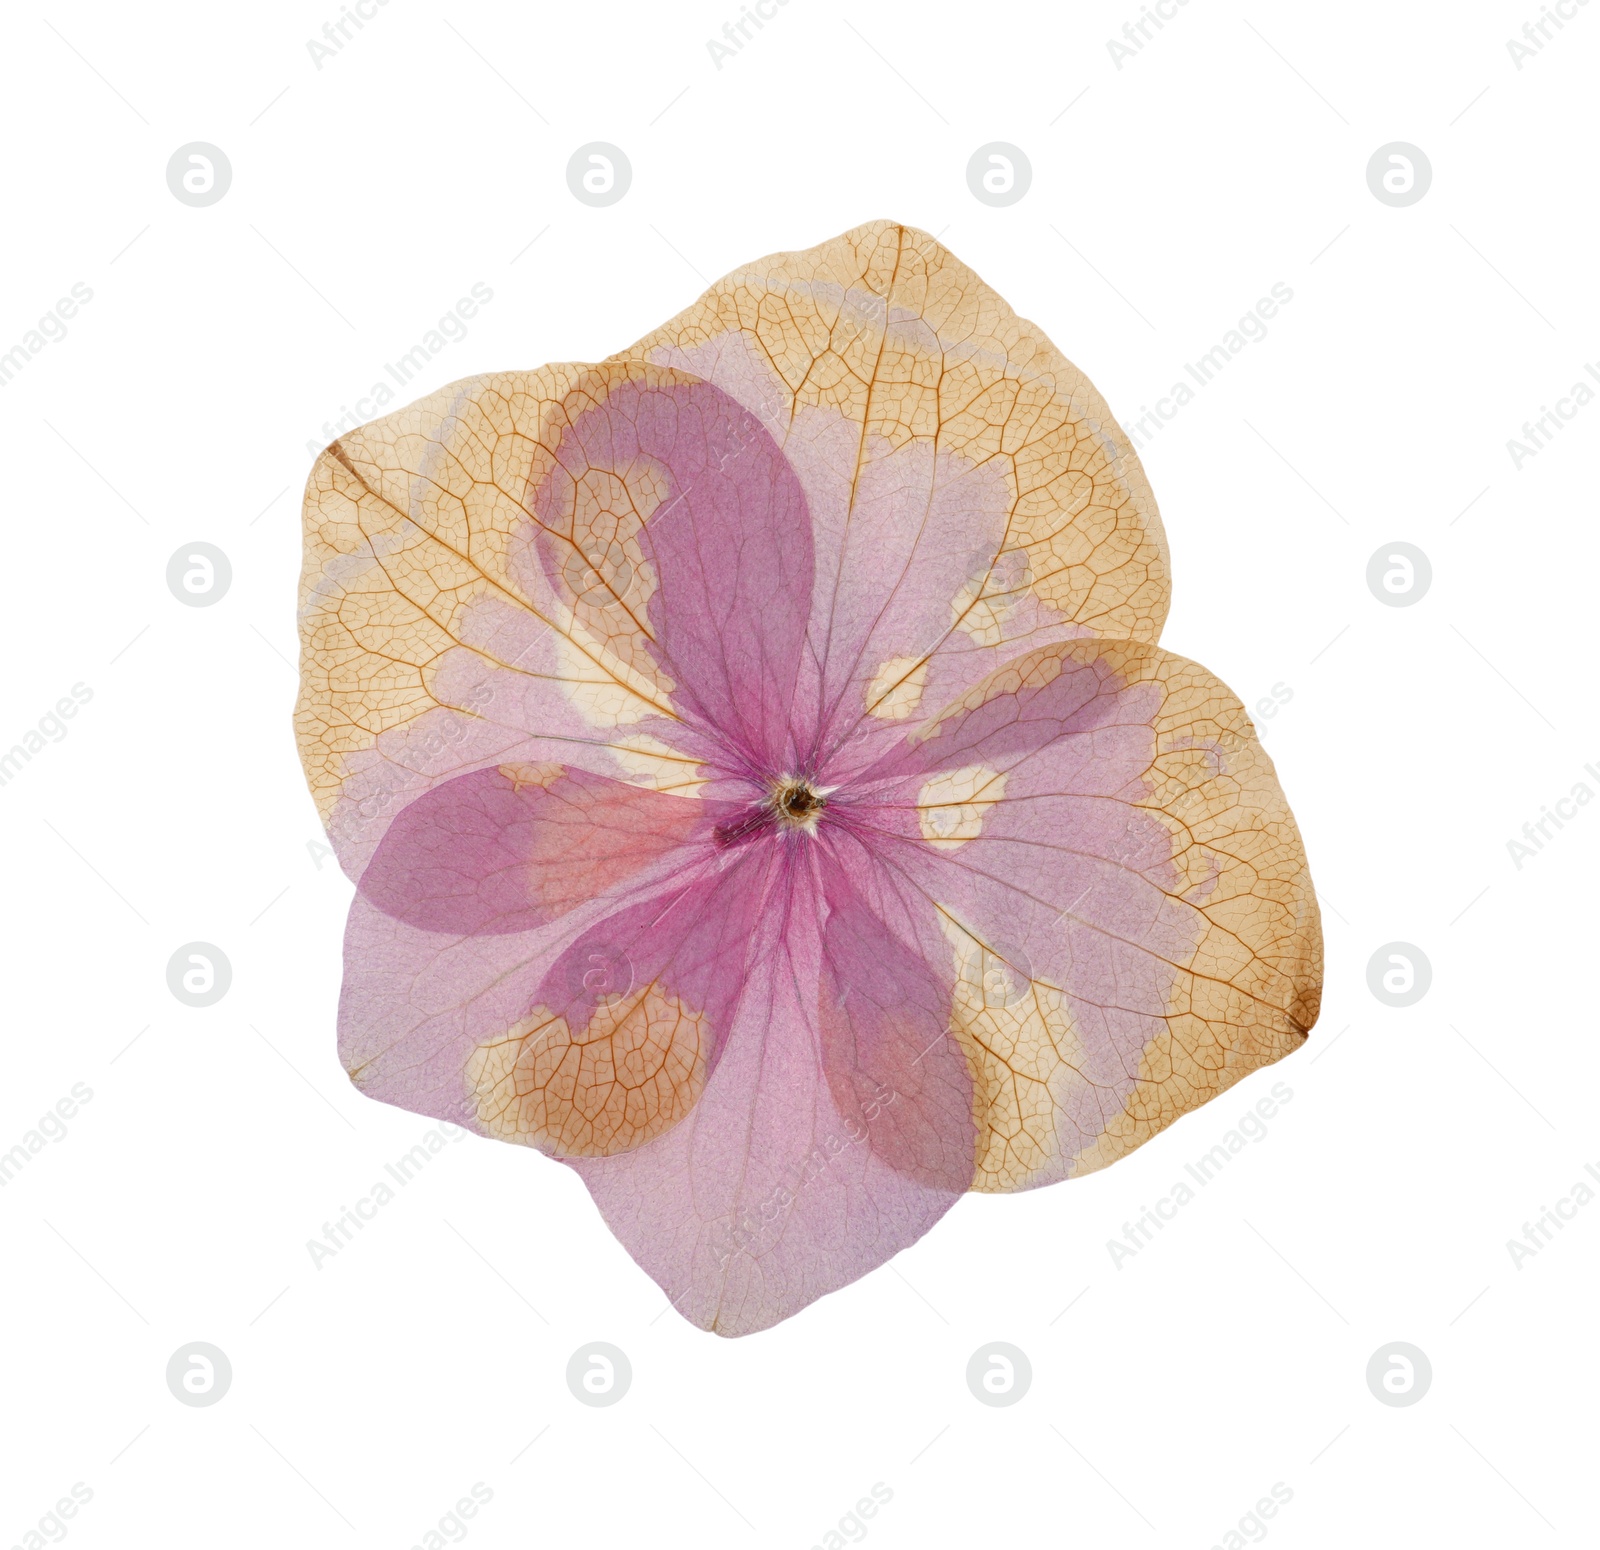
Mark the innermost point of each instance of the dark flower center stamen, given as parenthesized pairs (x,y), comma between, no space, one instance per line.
(794,804)
(796,801)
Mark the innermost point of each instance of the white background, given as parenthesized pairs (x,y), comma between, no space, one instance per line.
(1167,196)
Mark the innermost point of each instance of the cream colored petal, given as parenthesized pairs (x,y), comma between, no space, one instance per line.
(896,690)
(951,805)
(632,1074)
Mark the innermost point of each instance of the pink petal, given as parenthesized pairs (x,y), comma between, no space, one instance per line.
(972,496)
(835,1131)
(514,847)
(1139,886)
(457,1026)
(728,548)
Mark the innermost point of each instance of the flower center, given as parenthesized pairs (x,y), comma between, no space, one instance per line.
(794,803)
(797,803)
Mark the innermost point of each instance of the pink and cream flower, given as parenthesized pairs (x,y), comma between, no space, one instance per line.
(763,787)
